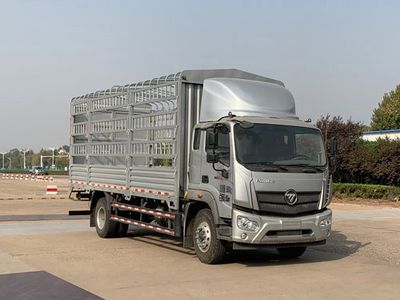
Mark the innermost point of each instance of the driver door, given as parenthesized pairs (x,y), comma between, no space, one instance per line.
(212,173)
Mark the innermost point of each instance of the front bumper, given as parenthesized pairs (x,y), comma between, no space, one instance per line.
(282,230)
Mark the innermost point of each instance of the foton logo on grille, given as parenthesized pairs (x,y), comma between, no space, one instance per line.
(291,197)
(264,180)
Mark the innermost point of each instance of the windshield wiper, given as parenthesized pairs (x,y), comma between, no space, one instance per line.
(274,168)
(311,167)
(270,166)
(258,163)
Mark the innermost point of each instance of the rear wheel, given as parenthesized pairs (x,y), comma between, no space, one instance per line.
(209,249)
(291,252)
(105,227)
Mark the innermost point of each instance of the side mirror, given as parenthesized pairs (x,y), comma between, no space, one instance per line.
(212,139)
(212,157)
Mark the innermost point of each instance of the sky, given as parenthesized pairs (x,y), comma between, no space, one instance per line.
(336,57)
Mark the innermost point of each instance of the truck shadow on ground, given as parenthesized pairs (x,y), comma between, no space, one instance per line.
(337,247)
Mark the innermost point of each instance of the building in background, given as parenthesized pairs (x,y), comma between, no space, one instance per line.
(374,135)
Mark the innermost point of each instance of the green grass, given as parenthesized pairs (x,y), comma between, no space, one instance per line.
(368,191)
(55,172)
(21,171)
(14,171)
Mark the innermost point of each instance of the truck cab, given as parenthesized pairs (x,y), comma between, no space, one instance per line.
(262,170)
(269,176)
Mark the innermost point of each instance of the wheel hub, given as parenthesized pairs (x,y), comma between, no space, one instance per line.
(203,236)
(101,218)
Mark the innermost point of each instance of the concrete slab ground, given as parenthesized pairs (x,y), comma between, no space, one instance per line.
(40,206)
(12,188)
(361,260)
(21,189)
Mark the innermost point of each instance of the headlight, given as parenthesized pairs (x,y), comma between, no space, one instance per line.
(325,222)
(245,224)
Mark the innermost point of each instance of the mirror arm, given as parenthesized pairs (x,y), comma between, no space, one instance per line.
(223,171)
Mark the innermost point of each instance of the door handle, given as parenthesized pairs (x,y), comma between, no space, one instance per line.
(204,179)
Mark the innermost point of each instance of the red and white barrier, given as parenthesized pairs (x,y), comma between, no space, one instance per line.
(51,190)
(27,177)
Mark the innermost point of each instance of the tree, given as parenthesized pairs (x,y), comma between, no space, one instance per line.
(360,161)
(16,158)
(347,134)
(387,162)
(35,161)
(387,114)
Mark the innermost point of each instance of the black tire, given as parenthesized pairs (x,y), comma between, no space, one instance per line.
(213,250)
(109,228)
(291,252)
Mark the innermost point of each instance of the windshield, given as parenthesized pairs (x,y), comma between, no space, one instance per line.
(269,144)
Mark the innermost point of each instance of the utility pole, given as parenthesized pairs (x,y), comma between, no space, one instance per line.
(53,158)
(3,153)
(24,151)
(9,158)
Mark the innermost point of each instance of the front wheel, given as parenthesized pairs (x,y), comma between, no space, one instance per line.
(209,249)
(291,252)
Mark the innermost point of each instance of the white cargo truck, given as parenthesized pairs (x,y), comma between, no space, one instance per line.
(217,158)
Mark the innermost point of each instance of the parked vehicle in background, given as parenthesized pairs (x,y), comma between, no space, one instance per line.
(215,157)
(37,170)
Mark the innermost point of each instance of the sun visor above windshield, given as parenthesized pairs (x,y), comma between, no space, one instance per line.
(245,98)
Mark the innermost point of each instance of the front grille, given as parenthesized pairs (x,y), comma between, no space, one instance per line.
(274,202)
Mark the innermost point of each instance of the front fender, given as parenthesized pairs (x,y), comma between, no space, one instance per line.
(207,198)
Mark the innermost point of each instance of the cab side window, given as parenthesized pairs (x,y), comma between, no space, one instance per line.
(222,149)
